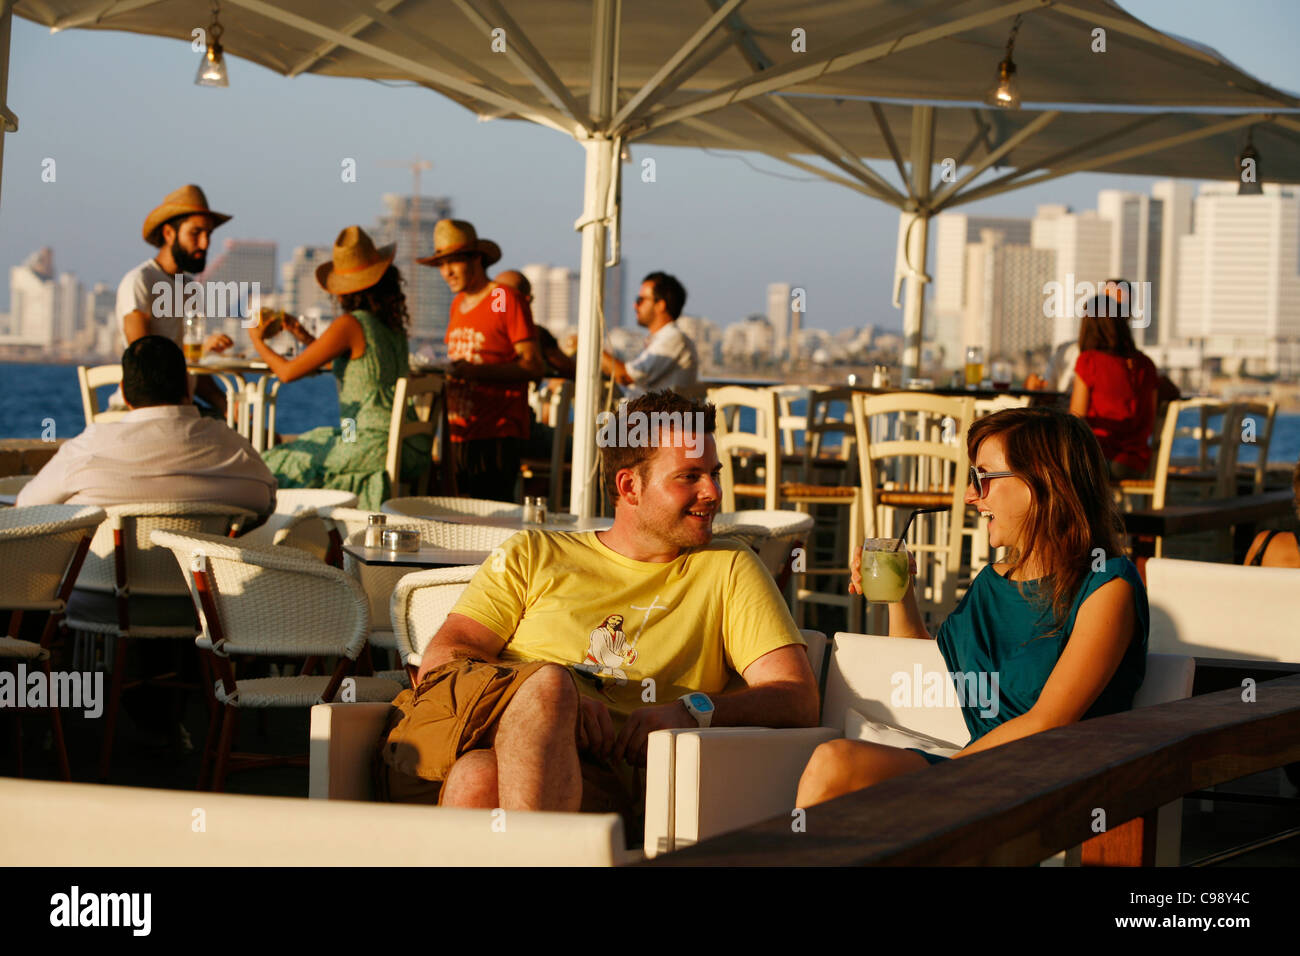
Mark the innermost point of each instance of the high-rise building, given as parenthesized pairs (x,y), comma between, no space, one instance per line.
(953,233)
(1239,278)
(706,337)
(1177,197)
(300,292)
(410,223)
(33,300)
(1136,248)
(778,313)
(244,260)
(561,300)
(1004,298)
(537,273)
(1082,243)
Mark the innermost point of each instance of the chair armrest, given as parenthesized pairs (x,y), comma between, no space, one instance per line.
(701,783)
(344,738)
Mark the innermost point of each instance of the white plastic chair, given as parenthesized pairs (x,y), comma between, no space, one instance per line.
(124,563)
(271,603)
(41,550)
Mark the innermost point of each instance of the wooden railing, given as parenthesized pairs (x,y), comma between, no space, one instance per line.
(1027,800)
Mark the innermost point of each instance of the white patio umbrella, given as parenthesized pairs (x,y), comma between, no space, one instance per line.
(608,72)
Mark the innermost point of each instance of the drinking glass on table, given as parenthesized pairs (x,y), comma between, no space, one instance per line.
(1001,375)
(974,366)
(885,572)
(193,342)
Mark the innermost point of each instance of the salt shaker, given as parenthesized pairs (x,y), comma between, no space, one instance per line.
(375,531)
(530,509)
(539,510)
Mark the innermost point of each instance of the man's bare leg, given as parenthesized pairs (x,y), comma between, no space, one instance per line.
(536,747)
(472,782)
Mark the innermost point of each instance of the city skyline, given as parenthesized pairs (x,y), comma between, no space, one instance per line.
(727,224)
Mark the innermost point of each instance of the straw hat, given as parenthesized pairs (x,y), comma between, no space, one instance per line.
(454,236)
(357,264)
(186,201)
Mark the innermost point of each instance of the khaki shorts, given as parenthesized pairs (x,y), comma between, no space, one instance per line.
(454,710)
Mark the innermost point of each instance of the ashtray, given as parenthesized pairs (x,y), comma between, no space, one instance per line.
(399,539)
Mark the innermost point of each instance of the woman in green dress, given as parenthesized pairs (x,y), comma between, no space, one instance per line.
(367,344)
(1062,624)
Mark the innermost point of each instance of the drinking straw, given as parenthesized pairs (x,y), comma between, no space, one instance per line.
(907,524)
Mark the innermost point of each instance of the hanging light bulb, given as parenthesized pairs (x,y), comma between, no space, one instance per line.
(1248,168)
(212,68)
(1005,92)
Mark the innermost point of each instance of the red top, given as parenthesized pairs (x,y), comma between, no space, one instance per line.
(1120,411)
(486,335)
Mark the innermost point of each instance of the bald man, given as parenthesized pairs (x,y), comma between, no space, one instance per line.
(558,365)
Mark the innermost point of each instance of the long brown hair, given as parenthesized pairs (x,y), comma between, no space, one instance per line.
(384,300)
(1071,511)
(1104,326)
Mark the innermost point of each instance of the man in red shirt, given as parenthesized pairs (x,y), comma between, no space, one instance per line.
(493,350)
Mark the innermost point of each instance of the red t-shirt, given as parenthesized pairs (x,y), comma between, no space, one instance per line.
(1120,411)
(486,335)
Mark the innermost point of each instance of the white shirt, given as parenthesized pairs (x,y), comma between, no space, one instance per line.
(667,361)
(139,290)
(159,453)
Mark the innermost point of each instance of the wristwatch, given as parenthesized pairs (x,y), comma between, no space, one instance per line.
(699,706)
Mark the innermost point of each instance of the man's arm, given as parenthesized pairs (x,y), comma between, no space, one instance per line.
(459,633)
(781,692)
(135,324)
(527,365)
(615,368)
(49,487)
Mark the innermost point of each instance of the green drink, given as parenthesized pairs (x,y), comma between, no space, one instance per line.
(885,571)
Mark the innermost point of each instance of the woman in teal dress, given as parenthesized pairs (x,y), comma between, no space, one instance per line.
(1062,623)
(367,344)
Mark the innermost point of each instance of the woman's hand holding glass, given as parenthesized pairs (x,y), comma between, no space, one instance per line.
(855,572)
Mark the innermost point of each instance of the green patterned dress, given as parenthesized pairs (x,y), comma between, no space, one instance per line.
(351,457)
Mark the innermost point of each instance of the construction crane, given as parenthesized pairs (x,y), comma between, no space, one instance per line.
(416,166)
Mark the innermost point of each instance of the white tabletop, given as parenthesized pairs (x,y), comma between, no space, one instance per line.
(426,557)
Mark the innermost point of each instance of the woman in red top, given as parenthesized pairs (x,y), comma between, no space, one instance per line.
(1115,389)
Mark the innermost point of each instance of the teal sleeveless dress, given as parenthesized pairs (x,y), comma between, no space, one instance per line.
(354,461)
(997,630)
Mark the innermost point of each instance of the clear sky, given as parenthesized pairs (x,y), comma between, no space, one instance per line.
(125,124)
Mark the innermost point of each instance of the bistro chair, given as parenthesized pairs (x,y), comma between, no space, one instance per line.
(91,378)
(428,415)
(762,443)
(1259,416)
(420,605)
(41,550)
(917,460)
(129,589)
(555,404)
(270,603)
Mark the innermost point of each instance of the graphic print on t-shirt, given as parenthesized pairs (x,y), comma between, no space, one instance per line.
(609,651)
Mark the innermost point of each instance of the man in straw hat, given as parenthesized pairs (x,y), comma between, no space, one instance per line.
(493,350)
(179,228)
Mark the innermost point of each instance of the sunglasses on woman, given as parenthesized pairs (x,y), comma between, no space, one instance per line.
(978,476)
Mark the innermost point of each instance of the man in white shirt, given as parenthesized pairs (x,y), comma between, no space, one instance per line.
(668,359)
(179,228)
(161,450)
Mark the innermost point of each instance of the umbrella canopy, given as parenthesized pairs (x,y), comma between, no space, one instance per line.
(607,72)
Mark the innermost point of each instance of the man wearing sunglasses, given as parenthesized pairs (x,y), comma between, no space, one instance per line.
(669,359)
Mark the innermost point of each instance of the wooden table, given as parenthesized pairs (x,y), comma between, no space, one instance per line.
(426,557)
(1242,513)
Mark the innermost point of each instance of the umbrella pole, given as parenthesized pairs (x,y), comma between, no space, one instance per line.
(601,161)
(8,122)
(916,237)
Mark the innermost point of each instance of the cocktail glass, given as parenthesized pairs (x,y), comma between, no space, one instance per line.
(885,571)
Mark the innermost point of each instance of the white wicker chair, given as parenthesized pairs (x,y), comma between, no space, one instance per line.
(271,603)
(380,582)
(300,520)
(780,532)
(436,507)
(420,604)
(124,563)
(41,549)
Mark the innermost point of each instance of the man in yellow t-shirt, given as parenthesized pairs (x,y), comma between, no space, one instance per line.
(567,650)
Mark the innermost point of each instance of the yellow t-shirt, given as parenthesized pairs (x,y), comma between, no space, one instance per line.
(633,632)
